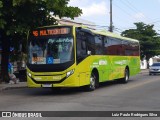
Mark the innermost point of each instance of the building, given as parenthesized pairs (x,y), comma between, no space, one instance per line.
(154,59)
(76,21)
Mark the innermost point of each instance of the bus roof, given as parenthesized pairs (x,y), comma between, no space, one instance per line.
(110,34)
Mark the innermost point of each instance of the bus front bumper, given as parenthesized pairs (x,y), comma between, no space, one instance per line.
(71,81)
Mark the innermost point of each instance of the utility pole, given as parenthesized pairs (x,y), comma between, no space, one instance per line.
(111,24)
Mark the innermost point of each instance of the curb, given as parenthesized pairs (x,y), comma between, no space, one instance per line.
(10,88)
(144,70)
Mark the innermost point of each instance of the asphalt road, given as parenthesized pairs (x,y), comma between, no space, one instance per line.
(141,93)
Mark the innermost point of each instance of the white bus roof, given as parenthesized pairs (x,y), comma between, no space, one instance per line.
(110,34)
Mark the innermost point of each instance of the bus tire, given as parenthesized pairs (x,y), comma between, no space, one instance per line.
(94,82)
(126,76)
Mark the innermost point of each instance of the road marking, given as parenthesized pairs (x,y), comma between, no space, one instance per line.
(141,84)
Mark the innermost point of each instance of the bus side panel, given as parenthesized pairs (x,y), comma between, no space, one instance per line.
(117,66)
(134,65)
(83,71)
(101,63)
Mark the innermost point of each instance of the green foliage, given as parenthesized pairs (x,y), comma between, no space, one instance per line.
(2,23)
(23,15)
(1,5)
(17,17)
(149,40)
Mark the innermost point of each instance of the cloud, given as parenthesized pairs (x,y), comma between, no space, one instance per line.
(79,3)
(91,8)
(95,10)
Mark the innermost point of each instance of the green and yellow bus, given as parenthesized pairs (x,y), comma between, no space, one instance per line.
(70,56)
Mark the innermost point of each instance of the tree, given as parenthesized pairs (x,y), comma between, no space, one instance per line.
(17,17)
(149,40)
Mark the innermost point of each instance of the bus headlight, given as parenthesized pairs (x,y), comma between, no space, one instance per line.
(69,73)
(29,74)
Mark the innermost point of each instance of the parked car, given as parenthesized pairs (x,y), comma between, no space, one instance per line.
(154,68)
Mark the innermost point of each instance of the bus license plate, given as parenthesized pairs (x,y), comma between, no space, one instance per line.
(47,85)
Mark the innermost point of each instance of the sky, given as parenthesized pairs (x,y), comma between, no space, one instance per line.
(125,13)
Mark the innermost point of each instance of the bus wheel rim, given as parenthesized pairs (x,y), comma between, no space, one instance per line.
(92,82)
(126,76)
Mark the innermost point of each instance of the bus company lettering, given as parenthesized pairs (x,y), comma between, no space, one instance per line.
(47,32)
(102,62)
(60,40)
(121,62)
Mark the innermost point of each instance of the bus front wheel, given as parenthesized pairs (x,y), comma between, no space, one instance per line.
(93,82)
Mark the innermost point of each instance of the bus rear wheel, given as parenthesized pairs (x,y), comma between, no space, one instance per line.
(126,76)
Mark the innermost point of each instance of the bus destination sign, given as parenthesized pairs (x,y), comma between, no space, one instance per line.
(50,31)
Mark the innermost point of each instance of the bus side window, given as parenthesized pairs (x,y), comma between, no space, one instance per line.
(81,48)
(114,46)
(90,44)
(127,50)
(83,45)
(106,44)
(109,46)
(99,45)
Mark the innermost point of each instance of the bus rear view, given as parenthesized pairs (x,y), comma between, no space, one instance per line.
(51,57)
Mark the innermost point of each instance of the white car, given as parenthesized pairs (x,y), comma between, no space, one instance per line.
(154,68)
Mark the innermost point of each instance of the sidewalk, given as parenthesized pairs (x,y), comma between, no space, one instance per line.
(6,86)
(144,71)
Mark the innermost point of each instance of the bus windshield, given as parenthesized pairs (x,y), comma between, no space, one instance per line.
(50,50)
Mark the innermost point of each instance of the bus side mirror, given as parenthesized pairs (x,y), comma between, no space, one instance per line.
(88,52)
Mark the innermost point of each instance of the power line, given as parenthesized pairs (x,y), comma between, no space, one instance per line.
(155,22)
(130,6)
(137,10)
(126,12)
